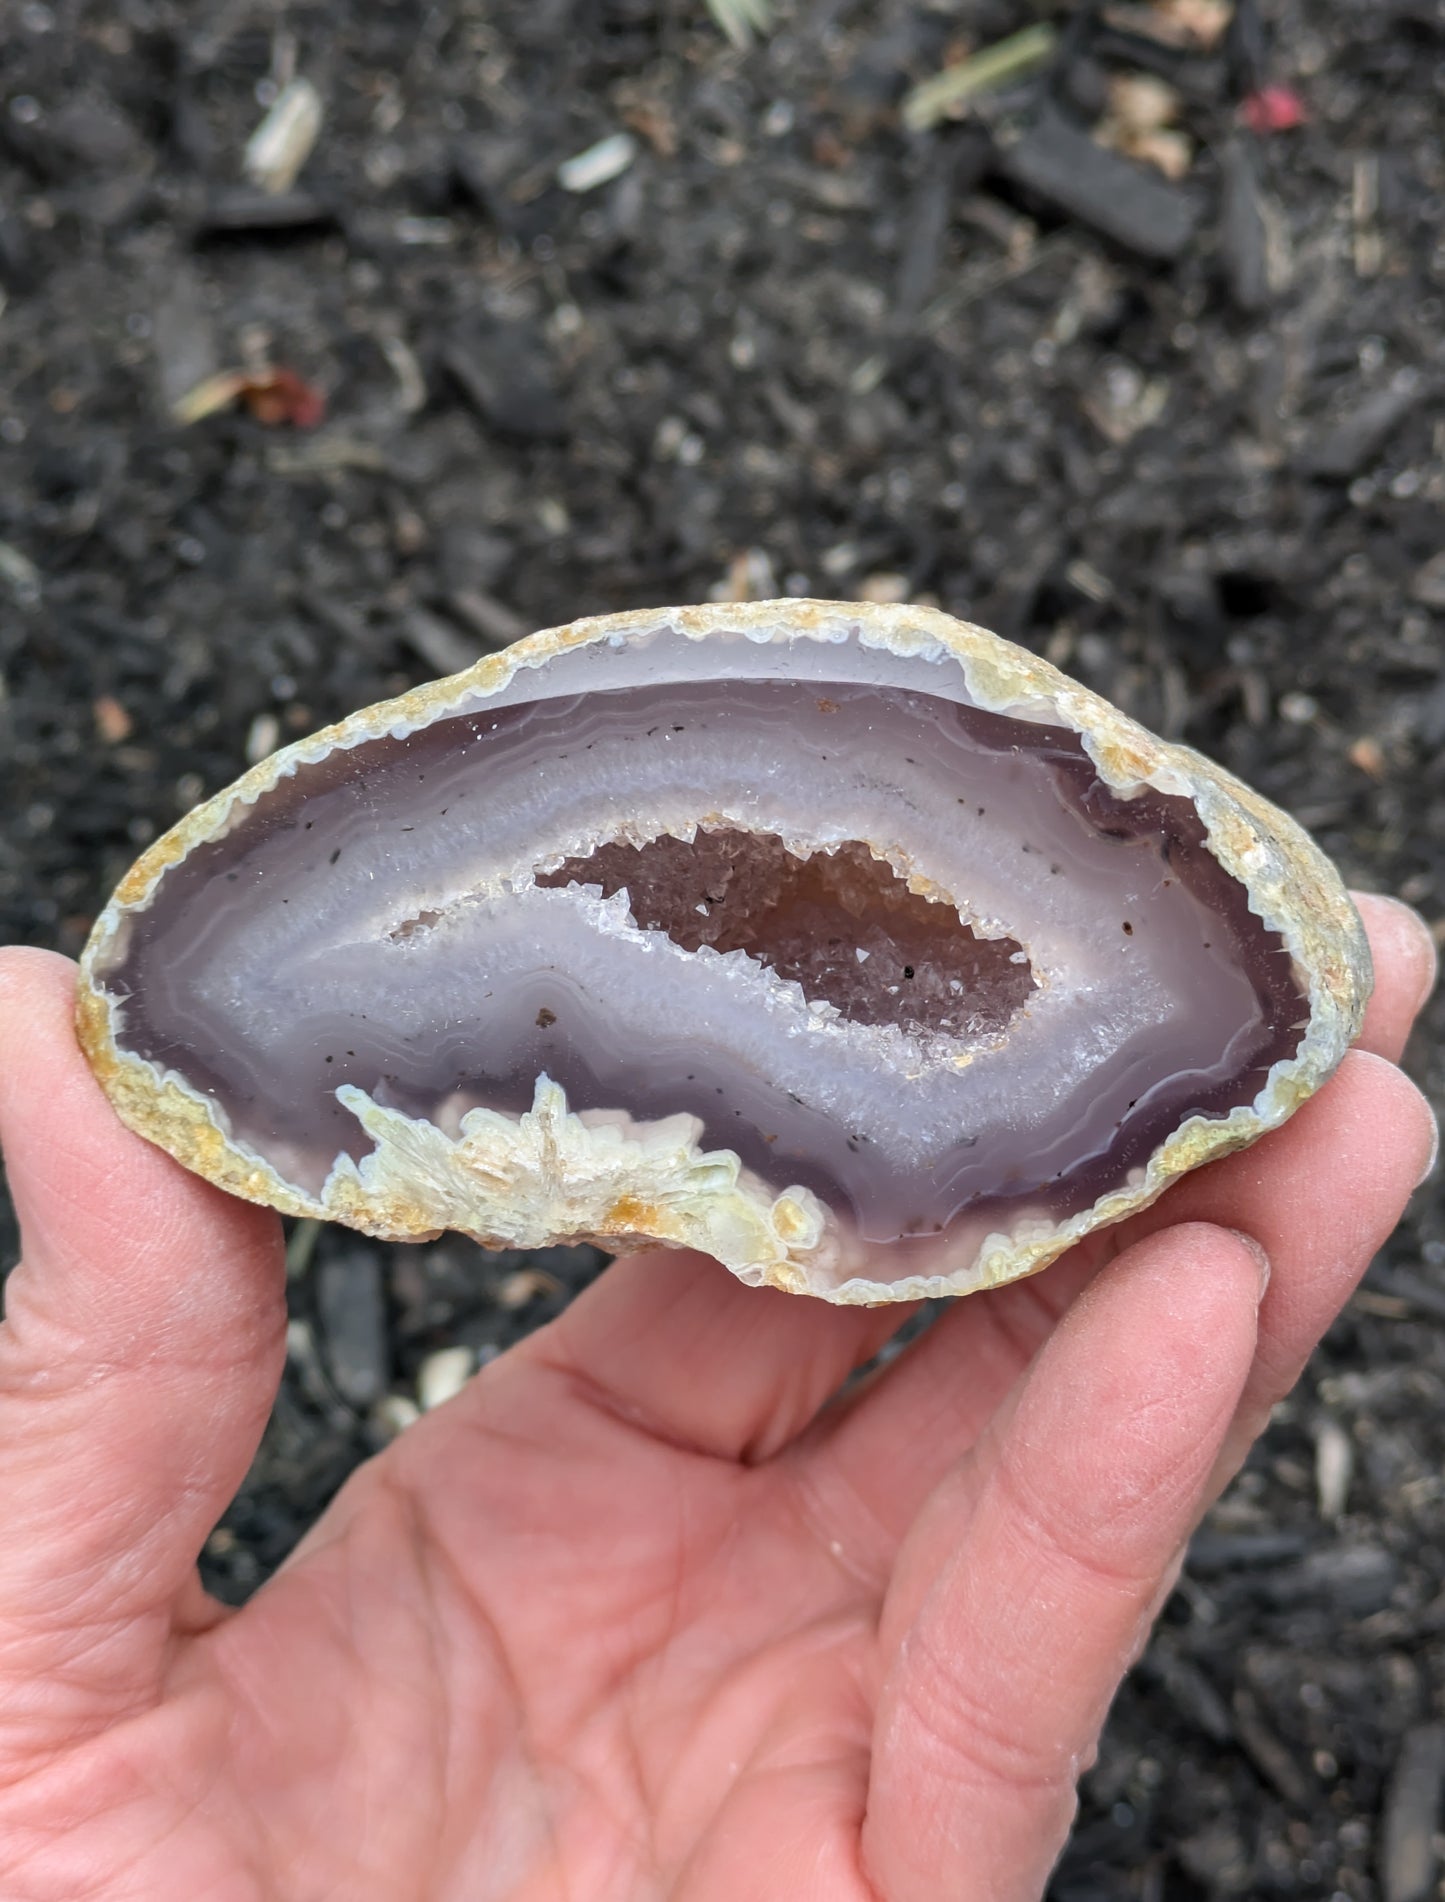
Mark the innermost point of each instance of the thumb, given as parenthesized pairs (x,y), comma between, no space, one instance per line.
(143,1338)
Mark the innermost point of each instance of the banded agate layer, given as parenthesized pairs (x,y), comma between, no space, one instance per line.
(852,945)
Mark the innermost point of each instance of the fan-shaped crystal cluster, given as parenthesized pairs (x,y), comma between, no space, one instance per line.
(852,945)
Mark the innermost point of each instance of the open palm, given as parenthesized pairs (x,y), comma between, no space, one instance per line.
(647,1611)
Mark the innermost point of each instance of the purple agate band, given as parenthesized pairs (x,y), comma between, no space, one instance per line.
(611,888)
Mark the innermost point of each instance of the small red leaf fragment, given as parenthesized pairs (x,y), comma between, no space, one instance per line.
(281,396)
(1273,109)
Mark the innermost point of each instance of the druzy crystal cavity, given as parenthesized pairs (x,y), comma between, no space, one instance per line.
(849,944)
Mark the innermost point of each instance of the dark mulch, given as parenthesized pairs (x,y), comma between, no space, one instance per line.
(1186,441)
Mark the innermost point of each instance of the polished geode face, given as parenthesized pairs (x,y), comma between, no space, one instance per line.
(910,954)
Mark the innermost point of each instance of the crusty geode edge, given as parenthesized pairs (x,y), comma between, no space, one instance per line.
(705,1200)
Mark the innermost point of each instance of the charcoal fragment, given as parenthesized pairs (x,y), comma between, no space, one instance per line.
(1346,447)
(506,376)
(1243,231)
(1274,1760)
(1131,204)
(240,208)
(956,166)
(1408,1858)
(351,1310)
(1211,1553)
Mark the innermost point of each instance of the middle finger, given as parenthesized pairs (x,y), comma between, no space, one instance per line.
(1320,1195)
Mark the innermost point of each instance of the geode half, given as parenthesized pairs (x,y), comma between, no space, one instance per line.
(852,945)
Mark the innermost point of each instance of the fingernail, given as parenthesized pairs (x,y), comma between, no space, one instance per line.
(1261,1260)
(1429,1168)
(1425,941)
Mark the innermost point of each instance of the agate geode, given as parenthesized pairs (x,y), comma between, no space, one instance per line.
(852,945)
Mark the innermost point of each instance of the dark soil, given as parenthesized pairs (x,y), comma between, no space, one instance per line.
(1187,442)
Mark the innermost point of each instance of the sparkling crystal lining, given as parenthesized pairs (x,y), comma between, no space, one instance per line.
(842,924)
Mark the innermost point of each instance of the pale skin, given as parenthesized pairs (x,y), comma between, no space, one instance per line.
(645,1612)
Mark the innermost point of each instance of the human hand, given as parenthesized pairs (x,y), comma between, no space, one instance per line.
(639,1614)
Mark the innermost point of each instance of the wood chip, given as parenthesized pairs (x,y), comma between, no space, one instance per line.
(442,1376)
(525,1285)
(1369,756)
(112,722)
(1334,1466)
(282,143)
(599,164)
